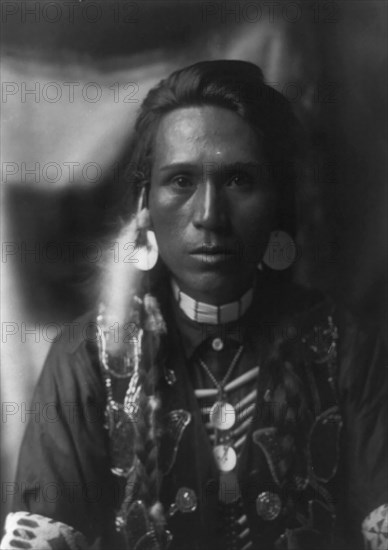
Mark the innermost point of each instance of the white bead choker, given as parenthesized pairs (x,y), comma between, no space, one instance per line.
(209,314)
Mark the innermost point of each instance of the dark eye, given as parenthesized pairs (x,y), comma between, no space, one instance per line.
(239,180)
(182,182)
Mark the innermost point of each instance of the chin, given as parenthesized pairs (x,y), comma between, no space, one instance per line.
(213,289)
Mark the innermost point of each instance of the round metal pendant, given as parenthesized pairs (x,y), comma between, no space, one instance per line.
(217,344)
(147,255)
(186,500)
(225,457)
(222,415)
(268,505)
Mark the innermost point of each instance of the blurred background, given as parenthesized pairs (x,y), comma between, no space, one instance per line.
(73,75)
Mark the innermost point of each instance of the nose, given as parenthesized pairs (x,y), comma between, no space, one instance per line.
(209,207)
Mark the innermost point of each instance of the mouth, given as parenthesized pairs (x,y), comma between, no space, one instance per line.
(213,249)
(213,254)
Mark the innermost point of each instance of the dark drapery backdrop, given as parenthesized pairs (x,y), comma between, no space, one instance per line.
(73,74)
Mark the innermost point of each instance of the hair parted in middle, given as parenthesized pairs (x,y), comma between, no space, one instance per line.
(238,86)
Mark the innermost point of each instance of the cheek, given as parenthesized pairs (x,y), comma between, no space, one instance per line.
(157,214)
(255,227)
(257,219)
(167,216)
(163,223)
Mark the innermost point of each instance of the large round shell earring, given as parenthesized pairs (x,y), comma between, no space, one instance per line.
(146,252)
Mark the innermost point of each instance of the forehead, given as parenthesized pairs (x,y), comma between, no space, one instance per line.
(204,134)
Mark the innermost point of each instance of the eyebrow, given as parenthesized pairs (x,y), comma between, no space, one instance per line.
(227,167)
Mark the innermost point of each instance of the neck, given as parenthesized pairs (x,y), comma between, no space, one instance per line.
(203,312)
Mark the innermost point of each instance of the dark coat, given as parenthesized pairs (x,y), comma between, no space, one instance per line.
(340,444)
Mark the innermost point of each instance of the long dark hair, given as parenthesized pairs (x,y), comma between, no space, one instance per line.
(238,86)
(235,85)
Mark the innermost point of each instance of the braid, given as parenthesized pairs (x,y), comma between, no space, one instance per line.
(147,431)
(290,410)
(146,438)
(128,306)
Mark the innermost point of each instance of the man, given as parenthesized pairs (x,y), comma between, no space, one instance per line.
(235,416)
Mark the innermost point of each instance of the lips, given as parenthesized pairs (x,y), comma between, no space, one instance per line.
(213,255)
(214,250)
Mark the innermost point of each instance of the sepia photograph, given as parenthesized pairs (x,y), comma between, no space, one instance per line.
(194,275)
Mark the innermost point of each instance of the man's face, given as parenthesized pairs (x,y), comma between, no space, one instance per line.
(211,205)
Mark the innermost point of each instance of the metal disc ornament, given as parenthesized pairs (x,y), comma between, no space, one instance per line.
(147,255)
(225,457)
(268,505)
(222,415)
(186,500)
